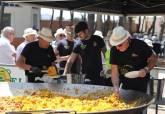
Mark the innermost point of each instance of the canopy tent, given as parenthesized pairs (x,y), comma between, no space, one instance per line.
(125,7)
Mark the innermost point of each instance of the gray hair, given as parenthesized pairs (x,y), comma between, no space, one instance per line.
(6,31)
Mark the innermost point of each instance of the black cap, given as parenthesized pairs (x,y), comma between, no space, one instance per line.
(81,26)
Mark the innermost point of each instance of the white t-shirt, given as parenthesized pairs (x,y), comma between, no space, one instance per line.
(20,48)
(6,52)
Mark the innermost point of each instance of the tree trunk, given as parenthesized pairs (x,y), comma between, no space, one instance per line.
(130,24)
(71,17)
(114,23)
(121,21)
(60,19)
(106,25)
(143,24)
(2,7)
(152,28)
(83,17)
(110,24)
(162,29)
(85,14)
(138,25)
(51,21)
(91,18)
(146,25)
(99,22)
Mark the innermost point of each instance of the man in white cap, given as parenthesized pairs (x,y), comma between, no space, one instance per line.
(37,56)
(98,33)
(7,50)
(60,34)
(30,35)
(64,49)
(131,60)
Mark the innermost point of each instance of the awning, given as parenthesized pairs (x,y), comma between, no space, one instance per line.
(125,7)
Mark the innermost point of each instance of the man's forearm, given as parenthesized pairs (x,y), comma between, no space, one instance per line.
(68,67)
(115,82)
(152,62)
(24,66)
(21,63)
(115,76)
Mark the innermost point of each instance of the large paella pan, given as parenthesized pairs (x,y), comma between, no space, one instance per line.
(78,90)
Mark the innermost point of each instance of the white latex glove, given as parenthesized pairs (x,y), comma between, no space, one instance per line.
(132,74)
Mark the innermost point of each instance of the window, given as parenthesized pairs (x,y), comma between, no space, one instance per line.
(6,20)
(35,21)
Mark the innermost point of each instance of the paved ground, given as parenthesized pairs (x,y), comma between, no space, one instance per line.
(151,109)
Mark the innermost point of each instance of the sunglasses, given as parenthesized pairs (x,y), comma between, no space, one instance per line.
(62,35)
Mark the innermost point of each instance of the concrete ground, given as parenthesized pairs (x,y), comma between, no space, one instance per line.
(151,109)
(157,74)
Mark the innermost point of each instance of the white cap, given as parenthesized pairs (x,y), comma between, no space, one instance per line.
(59,31)
(154,38)
(148,42)
(46,34)
(98,33)
(145,37)
(29,31)
(119,35)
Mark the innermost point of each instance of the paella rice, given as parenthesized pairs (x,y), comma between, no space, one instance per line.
(48,100)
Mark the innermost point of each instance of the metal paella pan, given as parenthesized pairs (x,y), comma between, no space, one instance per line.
(17,89)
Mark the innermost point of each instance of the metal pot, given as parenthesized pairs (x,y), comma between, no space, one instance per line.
(15,89)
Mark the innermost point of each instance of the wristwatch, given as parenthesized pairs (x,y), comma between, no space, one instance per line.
(146,69)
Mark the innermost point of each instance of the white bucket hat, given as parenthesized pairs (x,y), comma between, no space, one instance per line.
(59,31)
(119,35)
(46,34)
(29,31)
(98,33)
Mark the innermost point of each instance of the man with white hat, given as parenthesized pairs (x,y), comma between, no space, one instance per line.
(60,34)
(64,49)
(131,60)
(98,33)
(37,55)
(30,35)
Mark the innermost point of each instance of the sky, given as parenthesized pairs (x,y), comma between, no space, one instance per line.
(46,14)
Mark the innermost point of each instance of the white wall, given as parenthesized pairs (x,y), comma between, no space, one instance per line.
(22,17)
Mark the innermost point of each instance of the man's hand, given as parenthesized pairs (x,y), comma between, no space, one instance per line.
(102,73)
(117,92)
(142,73)
(35,70)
